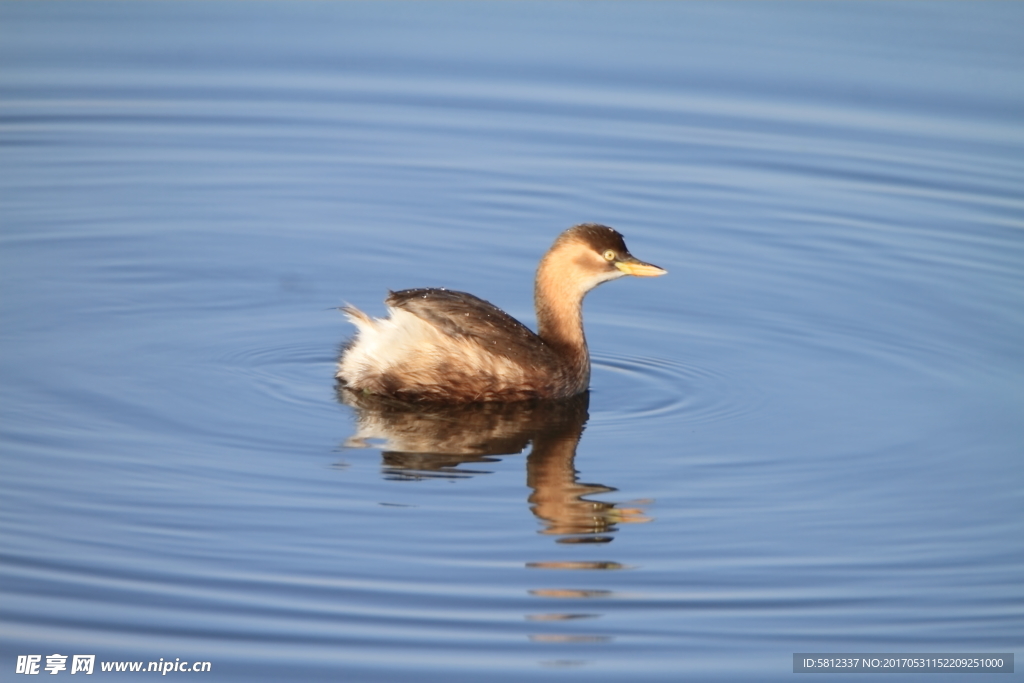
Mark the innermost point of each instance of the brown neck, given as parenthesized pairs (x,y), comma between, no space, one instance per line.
(559,305)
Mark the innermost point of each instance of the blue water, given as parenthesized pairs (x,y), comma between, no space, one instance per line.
(807,437)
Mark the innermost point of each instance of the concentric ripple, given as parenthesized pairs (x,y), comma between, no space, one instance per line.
(657,388)
(295,373)
(643,388)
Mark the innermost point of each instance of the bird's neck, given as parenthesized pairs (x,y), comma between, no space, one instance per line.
(560,313)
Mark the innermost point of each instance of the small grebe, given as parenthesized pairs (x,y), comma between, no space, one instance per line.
(440,345)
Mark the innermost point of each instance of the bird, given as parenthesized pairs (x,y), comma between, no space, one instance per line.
(440,345)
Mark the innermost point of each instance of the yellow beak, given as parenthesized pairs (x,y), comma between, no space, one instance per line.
(634,266)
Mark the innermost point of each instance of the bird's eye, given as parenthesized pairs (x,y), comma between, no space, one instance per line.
(609,255)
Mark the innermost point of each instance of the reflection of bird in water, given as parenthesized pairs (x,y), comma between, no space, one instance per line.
(420,440)
(440,345)
(429,440)
(558,498)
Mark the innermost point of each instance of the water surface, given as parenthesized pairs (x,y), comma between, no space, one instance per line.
(806,437)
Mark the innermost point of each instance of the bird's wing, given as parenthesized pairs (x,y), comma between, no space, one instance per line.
(465,316)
